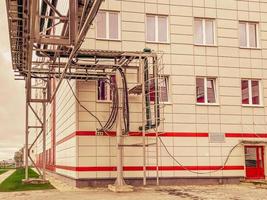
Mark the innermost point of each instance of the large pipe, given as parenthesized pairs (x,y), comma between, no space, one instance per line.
(149,123)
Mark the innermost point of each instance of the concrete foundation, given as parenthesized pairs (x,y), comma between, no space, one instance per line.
(80,183)
(34,181)
(120,188)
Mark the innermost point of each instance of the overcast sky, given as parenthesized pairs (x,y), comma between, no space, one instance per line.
(12,93)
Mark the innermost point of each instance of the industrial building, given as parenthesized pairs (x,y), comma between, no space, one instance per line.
(194,94)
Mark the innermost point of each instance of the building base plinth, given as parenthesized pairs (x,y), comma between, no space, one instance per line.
(120,188)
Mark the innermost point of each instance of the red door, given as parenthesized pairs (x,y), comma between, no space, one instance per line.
(254,162)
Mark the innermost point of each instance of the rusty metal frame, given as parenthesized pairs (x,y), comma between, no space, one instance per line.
(27,39)
(57,57)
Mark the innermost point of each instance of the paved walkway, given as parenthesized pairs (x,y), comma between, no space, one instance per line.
(209,192)
(6,174)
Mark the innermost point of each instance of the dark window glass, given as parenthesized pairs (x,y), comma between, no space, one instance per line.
(211,91)
(255,92)
(245,92)
(200,91)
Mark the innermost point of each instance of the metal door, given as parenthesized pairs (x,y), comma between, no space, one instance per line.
(254,157)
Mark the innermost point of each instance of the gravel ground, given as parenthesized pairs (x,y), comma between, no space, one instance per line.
(215,192)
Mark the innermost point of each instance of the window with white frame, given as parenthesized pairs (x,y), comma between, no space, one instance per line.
(251,94)
(248,34)
(156,28)
(204,33)
(104,90)
(206,90)
(163,89)
(108,25)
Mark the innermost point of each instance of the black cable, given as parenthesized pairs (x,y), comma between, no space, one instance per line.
(195,172)
(126,113)
(77,99)
(113,114)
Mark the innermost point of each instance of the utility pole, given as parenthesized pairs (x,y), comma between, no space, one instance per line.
(120,185)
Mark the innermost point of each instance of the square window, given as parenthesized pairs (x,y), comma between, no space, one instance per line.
(163,83)
(250,90)
(107,25)
(104,92)
(206,90)
(248,34)
(204,31)
(156,28)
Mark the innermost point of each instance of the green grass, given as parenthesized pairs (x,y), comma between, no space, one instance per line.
(3,171)
(14,182)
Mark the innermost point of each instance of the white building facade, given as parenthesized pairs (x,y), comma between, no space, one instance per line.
(214,93)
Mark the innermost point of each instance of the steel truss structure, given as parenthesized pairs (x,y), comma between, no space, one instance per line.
(46,46)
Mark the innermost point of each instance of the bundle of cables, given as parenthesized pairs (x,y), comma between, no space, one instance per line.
(125,106)
(115,105)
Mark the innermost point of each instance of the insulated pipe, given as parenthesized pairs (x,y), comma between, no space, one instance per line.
(147,95)
(149,124)
(156,85)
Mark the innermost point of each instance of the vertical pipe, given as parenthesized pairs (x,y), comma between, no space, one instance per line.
(147,94)
(44,135)
(27,140)
(144,121)
(155,72)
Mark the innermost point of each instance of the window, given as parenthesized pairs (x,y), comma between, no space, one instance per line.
(107,25)
(250,92)
(104,90)
(156,28)
(204,31)
(248,34)
(206,90)
(163,89)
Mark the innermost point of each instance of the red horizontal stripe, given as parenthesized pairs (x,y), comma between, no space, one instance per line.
(149,168)
(246,135)
(85,133)
(113,133)
(166,134)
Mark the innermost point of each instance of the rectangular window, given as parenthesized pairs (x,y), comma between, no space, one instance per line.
(104,90)
(204,31)
(206,90)
(163,89)
(250,92)
(156,28)
(248,34)
(107,25)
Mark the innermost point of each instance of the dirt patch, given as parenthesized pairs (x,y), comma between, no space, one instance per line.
(180,193)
